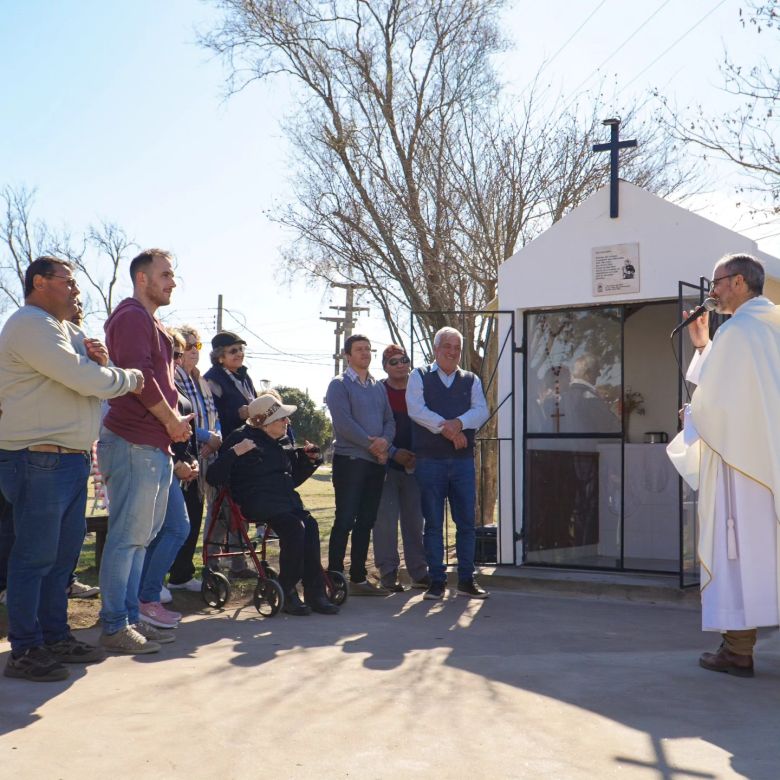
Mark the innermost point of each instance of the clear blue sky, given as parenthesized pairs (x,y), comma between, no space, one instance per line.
(112,110)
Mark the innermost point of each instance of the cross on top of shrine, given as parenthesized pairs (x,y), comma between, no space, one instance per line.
(613,147)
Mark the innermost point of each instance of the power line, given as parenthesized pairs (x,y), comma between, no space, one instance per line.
(619,48)
(572,36)
(770,235)
(260,338)
(671,46)
(279,359)
(565,44)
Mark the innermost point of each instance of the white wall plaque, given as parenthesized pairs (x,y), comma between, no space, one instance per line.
(615,269)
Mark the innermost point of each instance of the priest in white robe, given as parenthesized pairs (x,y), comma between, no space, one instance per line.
(730,449)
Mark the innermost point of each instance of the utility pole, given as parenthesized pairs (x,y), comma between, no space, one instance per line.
(345,324)
(338,331)
(219,313)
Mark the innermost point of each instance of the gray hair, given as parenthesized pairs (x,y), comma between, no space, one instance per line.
(446,331)
(179,341)
(750,269)
(189,330)
(216,354)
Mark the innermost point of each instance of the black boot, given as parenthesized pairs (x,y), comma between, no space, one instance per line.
(319,603)
(293,604)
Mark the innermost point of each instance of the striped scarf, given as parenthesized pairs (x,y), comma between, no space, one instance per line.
(205,414)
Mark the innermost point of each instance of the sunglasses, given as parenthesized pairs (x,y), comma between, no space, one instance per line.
(195,345)
(395,361)
(235,351)
(177,355)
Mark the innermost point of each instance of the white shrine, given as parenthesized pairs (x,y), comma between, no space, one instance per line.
(595,386)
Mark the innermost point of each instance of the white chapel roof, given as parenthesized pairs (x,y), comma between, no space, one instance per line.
(555,269)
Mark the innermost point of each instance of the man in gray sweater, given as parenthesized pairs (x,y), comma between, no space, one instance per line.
(50,397)
(364,428)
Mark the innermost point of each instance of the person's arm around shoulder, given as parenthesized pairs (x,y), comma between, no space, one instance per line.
(415,404)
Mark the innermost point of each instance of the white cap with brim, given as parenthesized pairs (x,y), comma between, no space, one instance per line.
(266,409)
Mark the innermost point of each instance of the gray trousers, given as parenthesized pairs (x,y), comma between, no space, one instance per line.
(400,499)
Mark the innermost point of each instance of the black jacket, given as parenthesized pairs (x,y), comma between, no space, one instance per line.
(186,451)
(262,481)
(227,397)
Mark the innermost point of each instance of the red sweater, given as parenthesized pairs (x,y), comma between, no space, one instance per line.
(135,339)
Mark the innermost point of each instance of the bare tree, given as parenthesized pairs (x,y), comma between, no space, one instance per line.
(112,245)
(748,135)
(23,238)
(410,177)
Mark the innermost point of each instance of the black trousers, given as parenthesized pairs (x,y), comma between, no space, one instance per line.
(358,486)
(183,570)
(299,551)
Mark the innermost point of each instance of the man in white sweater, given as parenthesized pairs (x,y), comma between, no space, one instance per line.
(50,399)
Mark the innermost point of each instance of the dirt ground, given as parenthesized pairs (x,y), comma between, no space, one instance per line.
(83,613)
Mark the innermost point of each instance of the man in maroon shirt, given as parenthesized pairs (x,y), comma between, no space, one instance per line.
(400,493)
(134,448)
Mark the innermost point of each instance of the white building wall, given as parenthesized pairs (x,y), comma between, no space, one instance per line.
(555,271)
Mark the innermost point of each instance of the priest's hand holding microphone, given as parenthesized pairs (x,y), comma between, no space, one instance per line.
(699,329)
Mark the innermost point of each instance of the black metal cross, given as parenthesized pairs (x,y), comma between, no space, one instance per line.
(612,147)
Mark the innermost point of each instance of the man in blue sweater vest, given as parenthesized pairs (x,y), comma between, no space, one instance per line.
(364,428)
(447,406)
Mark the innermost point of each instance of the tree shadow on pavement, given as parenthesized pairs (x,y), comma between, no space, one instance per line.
(632,663)
(635,664)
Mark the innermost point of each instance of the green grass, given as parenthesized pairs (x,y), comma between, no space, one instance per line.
(318,498)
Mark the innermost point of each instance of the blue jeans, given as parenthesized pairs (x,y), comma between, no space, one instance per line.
(162,552)
(452,479)
(137,480)
(48,491)
(6,538)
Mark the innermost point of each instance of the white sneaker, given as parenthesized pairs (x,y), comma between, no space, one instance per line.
(80,590)
(192,585)
(165,596)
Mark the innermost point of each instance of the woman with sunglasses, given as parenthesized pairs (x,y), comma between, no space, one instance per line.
(190,384)
(229,381)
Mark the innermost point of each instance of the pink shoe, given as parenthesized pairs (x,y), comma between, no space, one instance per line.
(155,614)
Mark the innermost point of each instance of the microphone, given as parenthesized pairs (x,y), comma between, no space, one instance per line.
(710,304)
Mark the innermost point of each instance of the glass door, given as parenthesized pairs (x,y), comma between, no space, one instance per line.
(573,434)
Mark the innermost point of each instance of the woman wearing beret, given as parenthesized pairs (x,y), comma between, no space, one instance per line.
(229,381)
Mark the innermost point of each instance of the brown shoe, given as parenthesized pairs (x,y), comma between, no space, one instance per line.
(728,662)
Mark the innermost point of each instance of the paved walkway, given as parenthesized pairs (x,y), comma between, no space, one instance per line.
(520,686)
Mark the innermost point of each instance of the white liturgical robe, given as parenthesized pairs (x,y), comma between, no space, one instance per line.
(730,450)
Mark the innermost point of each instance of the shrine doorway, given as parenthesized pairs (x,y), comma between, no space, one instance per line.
(601,394)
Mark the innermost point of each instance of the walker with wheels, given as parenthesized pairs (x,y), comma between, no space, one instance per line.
(228,537)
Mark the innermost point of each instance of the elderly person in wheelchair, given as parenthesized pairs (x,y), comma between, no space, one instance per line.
(262,470)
